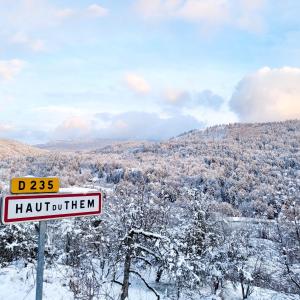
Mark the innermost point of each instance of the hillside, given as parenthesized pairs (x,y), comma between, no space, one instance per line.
(241,133)
(10,148)
(84,145)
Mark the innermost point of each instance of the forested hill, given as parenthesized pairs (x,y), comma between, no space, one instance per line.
(260,136)
(248,169)
(253,168)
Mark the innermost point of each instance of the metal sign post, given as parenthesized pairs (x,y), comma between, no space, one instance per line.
(41,261)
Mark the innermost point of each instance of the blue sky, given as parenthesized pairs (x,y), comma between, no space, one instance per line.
(145,69)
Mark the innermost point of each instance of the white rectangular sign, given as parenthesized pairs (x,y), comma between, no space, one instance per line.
(44,207)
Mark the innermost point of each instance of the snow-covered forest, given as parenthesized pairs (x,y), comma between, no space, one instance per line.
(210,214)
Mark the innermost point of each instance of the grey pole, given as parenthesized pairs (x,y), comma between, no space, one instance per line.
(40,262)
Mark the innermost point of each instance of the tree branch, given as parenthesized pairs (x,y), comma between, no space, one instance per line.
(146,284)
(117,282)
(148,251)
(147,234)
(143,259)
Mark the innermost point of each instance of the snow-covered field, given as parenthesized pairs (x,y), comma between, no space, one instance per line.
(18,283)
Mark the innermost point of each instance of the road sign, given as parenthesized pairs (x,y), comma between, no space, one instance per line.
(17,208)
(32,185)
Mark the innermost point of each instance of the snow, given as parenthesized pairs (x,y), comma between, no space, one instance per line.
(258,294)
(18,283)
(76,189)
(249,220)
(147,233)
(87,189)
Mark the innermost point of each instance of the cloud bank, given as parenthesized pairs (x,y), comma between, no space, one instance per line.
(129,125)
(10,68)
(20,38)
(33,24)
(268,95)
(96,10)
(183,98)
(242,14)
(137,83)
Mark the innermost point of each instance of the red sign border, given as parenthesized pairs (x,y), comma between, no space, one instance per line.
(6,199)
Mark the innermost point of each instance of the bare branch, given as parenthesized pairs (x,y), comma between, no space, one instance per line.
(147,234)
(146,284)
(148,251)
(143,259)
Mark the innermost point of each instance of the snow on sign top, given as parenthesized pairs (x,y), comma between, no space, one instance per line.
(27,208)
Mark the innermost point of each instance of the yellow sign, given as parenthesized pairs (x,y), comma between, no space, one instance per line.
(32,185)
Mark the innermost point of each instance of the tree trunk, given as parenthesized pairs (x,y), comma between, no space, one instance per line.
(127,264)
(243,289)
(68,243)
(159,274)
(178,292)
(216,284)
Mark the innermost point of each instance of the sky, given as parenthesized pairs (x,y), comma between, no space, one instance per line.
(145,69)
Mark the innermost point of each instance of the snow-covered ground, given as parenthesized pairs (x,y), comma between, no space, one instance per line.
(76,189)
(258,294)
(18,283)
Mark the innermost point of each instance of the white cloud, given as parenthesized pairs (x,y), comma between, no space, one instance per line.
(211,12)
(211,116)
(157,8)
(76,123)
(144,125)
(129,125)
(23,133)
(93,10)
(25,15)
(96,10)
(10,68)
(207,98)
(67,116)
(137,83)
(22,21)
(6,99)
(4,128)
(65,13)
(38,45)
(243,14)
(249,17)
(53,109)
(182,98)
(73,128)
(176,96)
(268,95)
(21,38)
